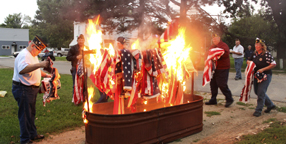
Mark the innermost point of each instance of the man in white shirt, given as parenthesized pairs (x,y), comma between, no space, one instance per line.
(237,54)
(26,80)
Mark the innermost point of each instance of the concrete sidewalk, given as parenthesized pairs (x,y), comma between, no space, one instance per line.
(275,90)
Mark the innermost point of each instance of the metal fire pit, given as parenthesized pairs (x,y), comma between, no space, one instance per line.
(158,124)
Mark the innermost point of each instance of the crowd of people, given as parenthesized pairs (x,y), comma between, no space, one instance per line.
(27,76)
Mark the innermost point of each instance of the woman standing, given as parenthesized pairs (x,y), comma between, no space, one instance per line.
(264,63)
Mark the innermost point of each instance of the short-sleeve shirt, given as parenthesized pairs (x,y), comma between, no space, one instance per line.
(24,59)
(262,60)
(239,49)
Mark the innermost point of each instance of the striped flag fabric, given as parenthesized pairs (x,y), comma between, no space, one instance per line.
(249,76)
(210,63)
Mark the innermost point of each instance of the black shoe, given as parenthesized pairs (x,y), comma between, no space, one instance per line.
(29,142)
(235,78)
(227,104)
(257,114)
(211,103)
(38,137)
(269,109)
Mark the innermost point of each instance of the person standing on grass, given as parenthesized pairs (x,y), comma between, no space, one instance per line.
(74,55)
(264,63)
(237,54)
(220,77)
(26,80)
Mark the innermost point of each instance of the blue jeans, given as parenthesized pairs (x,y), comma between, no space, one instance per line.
(219,80)
(238,64)
(260,90)
(26,98)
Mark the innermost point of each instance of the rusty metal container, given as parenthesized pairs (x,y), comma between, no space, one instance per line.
(158,124)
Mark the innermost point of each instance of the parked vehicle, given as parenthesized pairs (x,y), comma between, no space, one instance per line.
(62,52)
(15,54)
(48,54)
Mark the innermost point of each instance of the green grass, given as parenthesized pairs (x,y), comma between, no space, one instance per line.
(243,104)
(275,134)
(211,113)
(61,59)
(281,109)
(270,120)
(57,116)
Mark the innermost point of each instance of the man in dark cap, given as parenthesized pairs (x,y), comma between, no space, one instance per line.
(26,80)
(75,54)
(121,42)
(220,77)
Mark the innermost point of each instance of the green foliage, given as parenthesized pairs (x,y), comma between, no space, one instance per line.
(211,113)
(16,20)
(57,116)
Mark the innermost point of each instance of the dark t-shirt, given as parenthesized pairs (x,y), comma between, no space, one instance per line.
(262,60)
(223,62)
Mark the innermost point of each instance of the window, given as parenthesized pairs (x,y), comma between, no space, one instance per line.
(22,47)
(5,47)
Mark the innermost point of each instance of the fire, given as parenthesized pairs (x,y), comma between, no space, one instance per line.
(94,39)
(88,104)
(177,56)
(135,45)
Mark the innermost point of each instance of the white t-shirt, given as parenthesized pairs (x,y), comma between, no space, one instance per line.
(23,59)
(239,49)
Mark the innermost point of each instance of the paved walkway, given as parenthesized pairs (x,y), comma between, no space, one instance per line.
(276,90)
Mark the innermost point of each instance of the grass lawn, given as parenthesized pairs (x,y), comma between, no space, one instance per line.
(61,58)
(275,134)
(57,116)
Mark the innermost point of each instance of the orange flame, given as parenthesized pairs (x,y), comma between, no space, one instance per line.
(177,55)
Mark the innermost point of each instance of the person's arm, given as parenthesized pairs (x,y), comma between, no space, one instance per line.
(71,54)
(240,51)
(271,66)
(43,74)
(32,67)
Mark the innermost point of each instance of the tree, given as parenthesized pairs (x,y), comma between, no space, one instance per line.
(250,27)
(50,25)
(275,11)
(16,21)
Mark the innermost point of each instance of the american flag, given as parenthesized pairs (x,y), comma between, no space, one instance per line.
(78,85)
(210,64)
(249,74)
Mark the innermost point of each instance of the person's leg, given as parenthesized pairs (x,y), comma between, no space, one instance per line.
(222,80)
(261,93)
(19,93)
(73,78)
(32,102)
(214,89)
(236,68)
(103,97)
(239,63)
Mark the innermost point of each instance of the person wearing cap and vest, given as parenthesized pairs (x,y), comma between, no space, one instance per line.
(237,54)
(74,55)
(120,45)
(264,63)
(26,80)
(220,77)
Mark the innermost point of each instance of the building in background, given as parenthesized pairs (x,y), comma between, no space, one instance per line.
(13,40)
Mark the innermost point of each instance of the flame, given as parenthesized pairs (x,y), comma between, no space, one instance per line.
(135,45)
(177,55)
(94,39)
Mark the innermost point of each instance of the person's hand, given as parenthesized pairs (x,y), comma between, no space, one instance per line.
(78,57)
(260,70)
(45,64)
(48,75)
